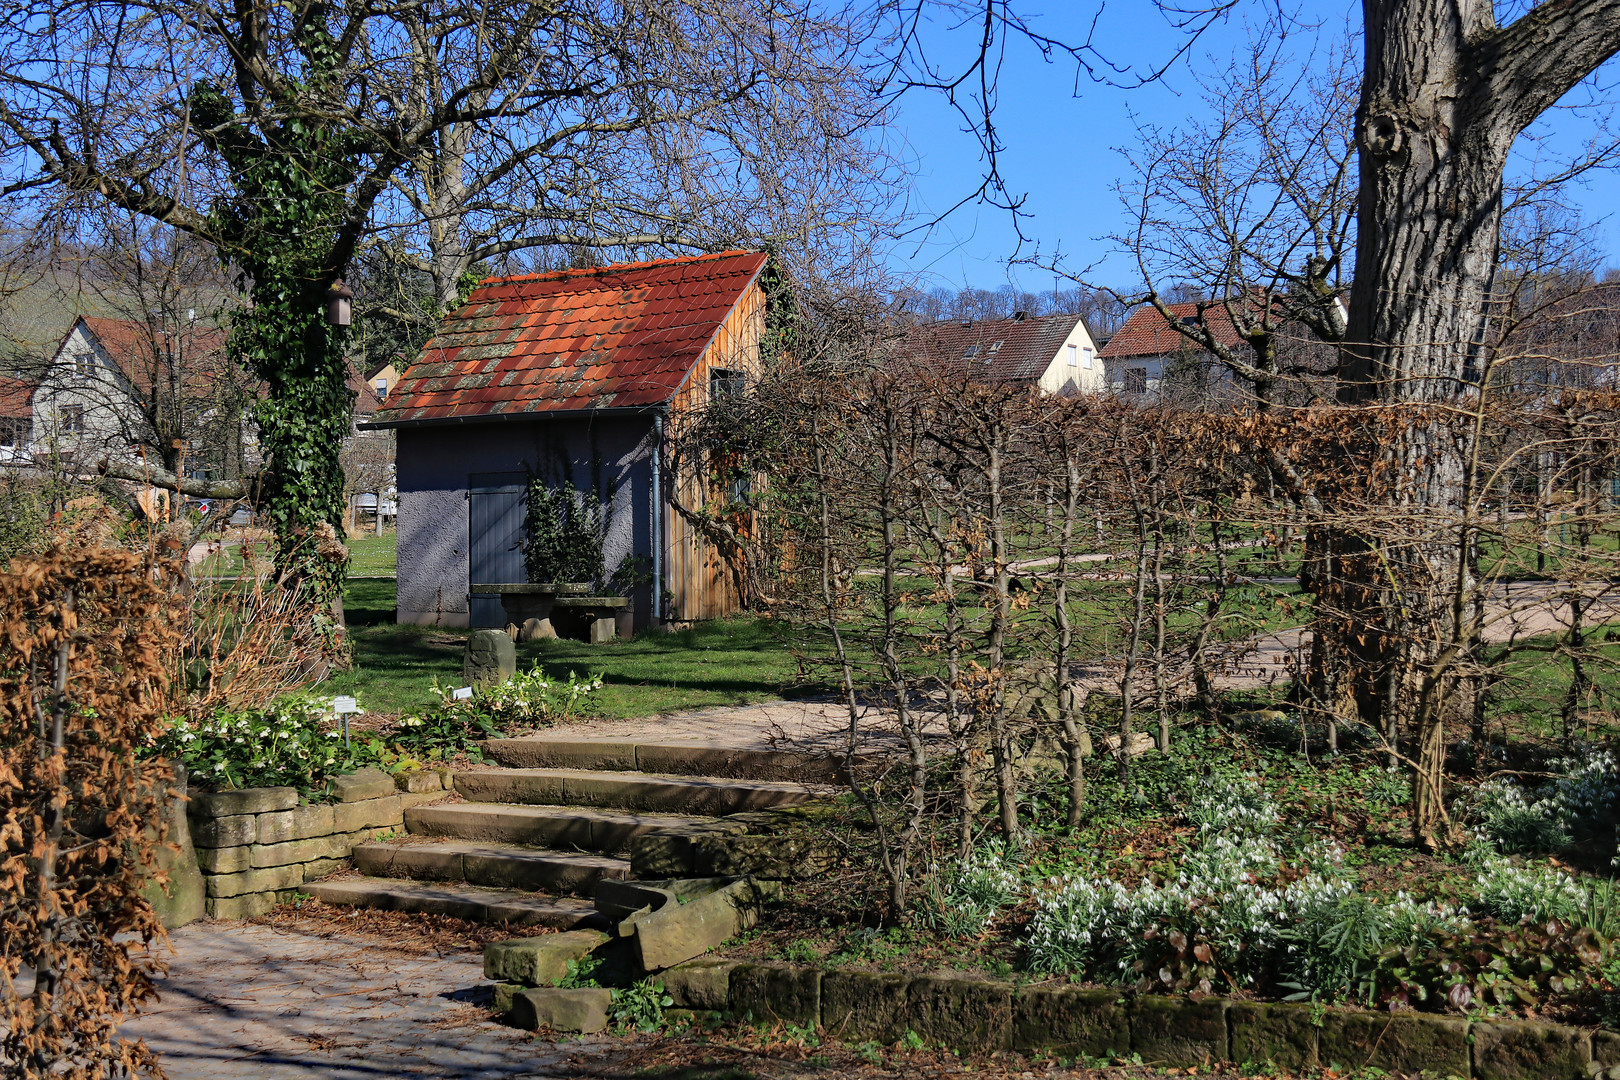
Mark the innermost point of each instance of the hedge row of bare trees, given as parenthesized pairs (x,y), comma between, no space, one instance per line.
(1005,585)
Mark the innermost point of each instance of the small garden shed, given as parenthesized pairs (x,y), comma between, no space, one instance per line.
(529,434)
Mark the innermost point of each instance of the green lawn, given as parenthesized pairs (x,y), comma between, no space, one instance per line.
(730,662)
(372,556)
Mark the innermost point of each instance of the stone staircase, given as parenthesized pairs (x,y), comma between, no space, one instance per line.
(537,834)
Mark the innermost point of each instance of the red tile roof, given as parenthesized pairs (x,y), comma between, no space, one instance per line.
(616,337)
(131,344)
(1003,350)
(16,398)
(1146,333)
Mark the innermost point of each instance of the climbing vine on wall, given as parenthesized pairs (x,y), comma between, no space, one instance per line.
(279,228)
(564,533)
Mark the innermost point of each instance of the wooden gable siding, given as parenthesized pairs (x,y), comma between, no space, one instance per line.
(697,575)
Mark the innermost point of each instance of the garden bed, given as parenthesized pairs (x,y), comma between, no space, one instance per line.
(1231,866)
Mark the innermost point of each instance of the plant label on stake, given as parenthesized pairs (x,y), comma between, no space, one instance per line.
(461,693)
(344,706)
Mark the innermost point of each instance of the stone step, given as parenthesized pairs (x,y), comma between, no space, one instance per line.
(494,865)
(670,758)
(468,902)
(572,827)
(631,790)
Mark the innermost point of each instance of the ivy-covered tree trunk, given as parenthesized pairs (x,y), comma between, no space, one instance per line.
(288,226)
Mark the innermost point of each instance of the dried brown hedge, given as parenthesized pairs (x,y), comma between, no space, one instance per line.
(85,640)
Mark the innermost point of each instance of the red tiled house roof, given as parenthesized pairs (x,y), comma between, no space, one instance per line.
(1003,350)
(618,337)
(16,398)
(1147,333)
(130,345)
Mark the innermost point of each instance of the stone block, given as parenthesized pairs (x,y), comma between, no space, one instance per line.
(419,781)
(408,799)
(678,933)
(224,832)
(700,984)
(322,867)
(225,860)
(251,881)
(505,993)
(659,855)
(863,1006)
(961,1013)
(779,858)
(372,813)
(1528,1050)
(538,961)
(1282,1034)
(362,784)
(253,800)
(1395,1042)
(1179,1032)
(537,630)
(1068,1020)
(246,906)
(490,658)
(299,823)
(768,993)
(604,629)
(1606,1052)
(583,1011)
(299,851)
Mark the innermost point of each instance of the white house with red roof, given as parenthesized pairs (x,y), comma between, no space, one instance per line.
(568,378)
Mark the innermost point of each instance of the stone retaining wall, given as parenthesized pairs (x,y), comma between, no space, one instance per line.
(966,1013)
(256,846)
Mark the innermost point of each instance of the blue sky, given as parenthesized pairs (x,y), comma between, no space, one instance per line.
(1061,142)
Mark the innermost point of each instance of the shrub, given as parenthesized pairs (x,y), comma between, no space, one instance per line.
(1514,893)
(282,745)
(1582,804)
(963,900)
(528,697)
(83,681)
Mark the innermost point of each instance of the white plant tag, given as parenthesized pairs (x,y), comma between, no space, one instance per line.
(461,693)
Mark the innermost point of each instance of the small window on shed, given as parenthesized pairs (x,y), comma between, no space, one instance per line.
(726,382)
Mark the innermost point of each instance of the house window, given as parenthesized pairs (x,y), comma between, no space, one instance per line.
(972,351)
(995,347)
(81,364)
(1136,380)
(71,420)
(1088,358)
(13,431)
(381,386)
(1074,356)
(726,382)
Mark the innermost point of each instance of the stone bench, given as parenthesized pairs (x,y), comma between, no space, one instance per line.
(568,606)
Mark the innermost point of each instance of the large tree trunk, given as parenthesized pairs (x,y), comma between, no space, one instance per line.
(1445,94)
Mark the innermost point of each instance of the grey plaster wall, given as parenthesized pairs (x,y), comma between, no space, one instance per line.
(610,453)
